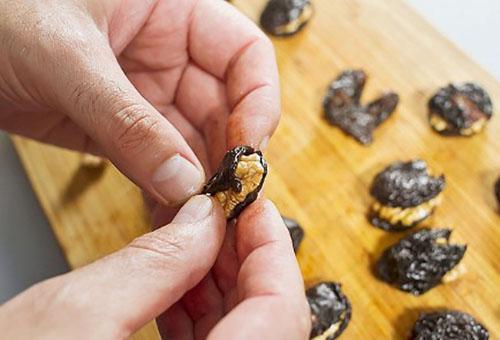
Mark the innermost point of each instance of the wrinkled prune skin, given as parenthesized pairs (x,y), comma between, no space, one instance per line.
(448,325)
(328,306)
(406,184)
(343,109)
(419,261)
(225,177)
(279,13)
(295,230)
(460,106)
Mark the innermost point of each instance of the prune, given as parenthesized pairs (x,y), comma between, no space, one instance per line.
(420,260)
(460,109)
(238,180)
(295,230)
(406,194)
(330,310)
(343,109)
(286,17)
(448,325)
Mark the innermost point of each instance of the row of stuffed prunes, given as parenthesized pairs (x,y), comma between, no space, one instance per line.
(405,193)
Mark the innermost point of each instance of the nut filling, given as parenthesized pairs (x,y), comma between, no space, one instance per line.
(330,310)
(406,193)
(286,17)
(343,108)
(460,109)
(295,230)
(447,325)
(238,181)
(420,261)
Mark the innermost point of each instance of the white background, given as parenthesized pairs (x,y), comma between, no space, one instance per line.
(28,251)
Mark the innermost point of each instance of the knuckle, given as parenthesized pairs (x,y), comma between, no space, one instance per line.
(163,248)
(133,128)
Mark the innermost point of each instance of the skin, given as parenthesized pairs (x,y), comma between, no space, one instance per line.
(138,82)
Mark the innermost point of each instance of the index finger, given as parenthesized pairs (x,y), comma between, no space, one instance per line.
(272,303)
(229,46)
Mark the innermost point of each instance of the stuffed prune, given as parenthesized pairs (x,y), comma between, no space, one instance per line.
(286,17)
(420,261)
(406,194)
(295,230)
(238,180)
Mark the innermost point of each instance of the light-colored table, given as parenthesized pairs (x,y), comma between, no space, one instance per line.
(28,250)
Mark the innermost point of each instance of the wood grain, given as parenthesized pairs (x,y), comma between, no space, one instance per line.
(321,177)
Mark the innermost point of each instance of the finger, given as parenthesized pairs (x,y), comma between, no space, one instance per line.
(175,324)
(92,89)
(246,62)
(136,284)
(202,99)
(270,287)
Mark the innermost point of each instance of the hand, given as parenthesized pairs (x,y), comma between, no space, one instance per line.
(254,290)
(163,88)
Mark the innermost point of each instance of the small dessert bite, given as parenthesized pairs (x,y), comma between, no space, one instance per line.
(406,193)
(238,181)
(286,17)
(460,109)
(295,230)
(420,261)
(343,108)
(330,310)
(448,325)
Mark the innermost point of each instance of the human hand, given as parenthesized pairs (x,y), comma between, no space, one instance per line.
(250,289)
(163,88)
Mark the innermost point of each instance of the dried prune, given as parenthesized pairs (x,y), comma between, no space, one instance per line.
(330,310)
(286,17)
(295,230)
(420,260)
(448,325)
(238,180)
(406,194)
(460,109)
(343,109)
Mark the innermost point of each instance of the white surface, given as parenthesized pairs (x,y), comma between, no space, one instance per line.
(474,26)
(28,251)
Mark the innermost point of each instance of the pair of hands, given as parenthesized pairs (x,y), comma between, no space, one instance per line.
(163,88)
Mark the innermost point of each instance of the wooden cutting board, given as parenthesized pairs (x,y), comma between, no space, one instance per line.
(321,177)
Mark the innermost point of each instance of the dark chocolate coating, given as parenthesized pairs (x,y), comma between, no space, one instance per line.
(295,230)
(225,178)
(406,184)
(448,325)
(460,106)
(278,13)
(328,303)
(417,262)
(343,109)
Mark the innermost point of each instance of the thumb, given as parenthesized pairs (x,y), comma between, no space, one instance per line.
(96,94)
(123,291)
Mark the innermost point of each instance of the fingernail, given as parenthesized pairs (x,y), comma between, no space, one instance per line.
(177,179)
(264,143)
(196,209)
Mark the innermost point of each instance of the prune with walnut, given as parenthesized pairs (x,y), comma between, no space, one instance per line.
(406,194)
(295,230)
(448,325)
(343,108)
(460,109)
(419,261)
(330,310)
(286,17)
(238,180)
